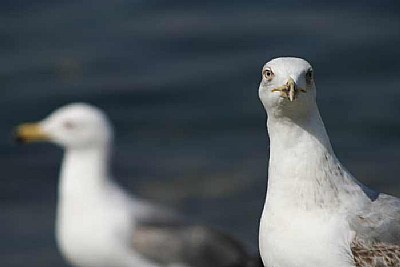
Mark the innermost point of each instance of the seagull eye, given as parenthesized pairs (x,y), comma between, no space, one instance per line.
(309,75)
(68,125)
(268,74)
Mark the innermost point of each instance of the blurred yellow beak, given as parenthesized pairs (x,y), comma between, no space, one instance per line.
(290,90)
(30,132)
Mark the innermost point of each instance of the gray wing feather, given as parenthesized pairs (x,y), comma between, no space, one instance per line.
(377,233)
(148,213)
(379,221)
(165,237)
(195,246)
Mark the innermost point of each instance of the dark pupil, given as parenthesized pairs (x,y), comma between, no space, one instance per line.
(268,73)
(309,74)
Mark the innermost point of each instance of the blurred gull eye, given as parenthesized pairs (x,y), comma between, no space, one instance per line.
(268,74)
(68,125)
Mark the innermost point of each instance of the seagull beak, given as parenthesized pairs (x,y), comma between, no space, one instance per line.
(30,132)
(290,90)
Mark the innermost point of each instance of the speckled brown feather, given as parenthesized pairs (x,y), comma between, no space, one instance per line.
(375,254)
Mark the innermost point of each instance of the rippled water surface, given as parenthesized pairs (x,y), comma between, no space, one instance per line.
(179,80)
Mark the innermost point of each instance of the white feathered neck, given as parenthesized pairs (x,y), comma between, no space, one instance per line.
(84,172)
(304,172)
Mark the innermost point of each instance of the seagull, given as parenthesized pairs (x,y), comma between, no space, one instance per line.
(316,213)
(99,225)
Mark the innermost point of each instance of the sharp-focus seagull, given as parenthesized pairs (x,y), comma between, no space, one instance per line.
(316,213)
(98,224)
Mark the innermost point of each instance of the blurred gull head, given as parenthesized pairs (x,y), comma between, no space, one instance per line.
(76,126)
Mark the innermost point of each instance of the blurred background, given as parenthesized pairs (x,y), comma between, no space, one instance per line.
(179,80)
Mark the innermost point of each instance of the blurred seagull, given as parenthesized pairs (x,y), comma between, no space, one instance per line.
(98,224)
(316,213)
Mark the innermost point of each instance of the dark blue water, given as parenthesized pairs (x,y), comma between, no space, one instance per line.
(179,80)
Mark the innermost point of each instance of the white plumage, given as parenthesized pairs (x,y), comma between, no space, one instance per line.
(315,210)
(98,224)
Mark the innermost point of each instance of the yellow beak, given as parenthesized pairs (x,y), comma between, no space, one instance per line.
(292,89)
(289,90)
(30,132)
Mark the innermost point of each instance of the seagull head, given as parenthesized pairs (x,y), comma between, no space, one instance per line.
(76,125)
(287,86)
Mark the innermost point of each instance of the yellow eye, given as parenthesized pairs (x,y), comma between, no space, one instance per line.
(268,74)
